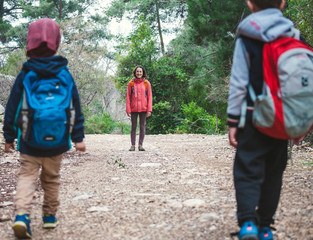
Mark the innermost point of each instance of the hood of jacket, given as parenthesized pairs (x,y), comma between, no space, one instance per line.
(265,25)
(46,66)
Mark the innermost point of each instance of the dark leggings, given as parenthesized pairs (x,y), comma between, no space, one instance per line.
(142,124)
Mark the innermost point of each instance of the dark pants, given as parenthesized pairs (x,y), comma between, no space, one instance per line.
(258,171)
(142,124)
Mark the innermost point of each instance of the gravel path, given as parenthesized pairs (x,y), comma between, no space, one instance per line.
(180,188)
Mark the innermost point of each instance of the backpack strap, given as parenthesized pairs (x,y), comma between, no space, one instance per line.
(132,82)
(251,93)
(24,103)
(146,86)
(244,106)
(243,114)
(72,114)
(24,114)
(27,116)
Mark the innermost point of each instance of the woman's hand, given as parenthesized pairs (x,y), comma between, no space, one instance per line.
(148,114)
(129,114)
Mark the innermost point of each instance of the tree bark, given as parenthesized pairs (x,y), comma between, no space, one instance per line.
(60,10)
(216,115)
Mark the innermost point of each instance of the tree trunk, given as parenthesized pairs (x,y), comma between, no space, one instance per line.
(60,10)
(159,26)
(3,38)
(216,115)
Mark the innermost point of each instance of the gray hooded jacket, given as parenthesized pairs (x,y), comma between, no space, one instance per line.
(265,25)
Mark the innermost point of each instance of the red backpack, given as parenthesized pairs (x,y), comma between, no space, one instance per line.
(285,108)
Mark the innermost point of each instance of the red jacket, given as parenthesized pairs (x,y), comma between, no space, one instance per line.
(139,99)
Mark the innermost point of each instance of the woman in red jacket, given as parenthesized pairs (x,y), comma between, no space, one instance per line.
(138,103)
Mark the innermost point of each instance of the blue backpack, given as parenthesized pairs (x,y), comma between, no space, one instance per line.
(47,114)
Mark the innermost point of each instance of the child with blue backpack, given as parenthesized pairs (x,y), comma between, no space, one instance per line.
(260,160)
(44,113)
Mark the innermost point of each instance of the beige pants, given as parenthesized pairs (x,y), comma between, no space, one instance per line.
(49,178)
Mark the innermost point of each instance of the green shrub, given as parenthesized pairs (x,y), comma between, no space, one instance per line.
(97,124)
(161,120)
(197,120)
(123,128)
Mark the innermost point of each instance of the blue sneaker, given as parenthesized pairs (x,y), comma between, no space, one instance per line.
(248,231)
(265,233)
(49,221)
(21,226)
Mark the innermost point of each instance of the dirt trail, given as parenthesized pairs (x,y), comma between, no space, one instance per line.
(180,188)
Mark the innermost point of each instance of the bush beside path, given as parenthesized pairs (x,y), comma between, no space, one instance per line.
(181,187)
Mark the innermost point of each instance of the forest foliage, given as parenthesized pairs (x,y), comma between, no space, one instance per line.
(189,75)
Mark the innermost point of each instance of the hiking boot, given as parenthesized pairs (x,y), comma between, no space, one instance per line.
(265,233)
(49,221)
(21,226)
(140,148)
(132,148)
(248,231)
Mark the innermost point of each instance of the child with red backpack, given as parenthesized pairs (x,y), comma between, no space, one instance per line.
(260,158)
(43,132)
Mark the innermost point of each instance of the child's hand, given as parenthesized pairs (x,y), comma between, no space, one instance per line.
(80,146)
(9,147)
(148,114)
(232,136)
